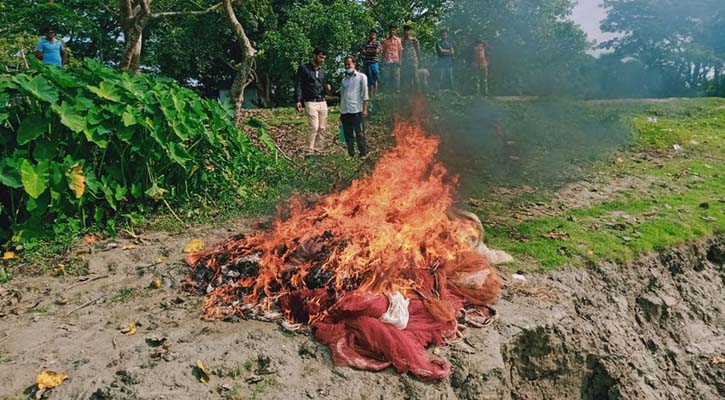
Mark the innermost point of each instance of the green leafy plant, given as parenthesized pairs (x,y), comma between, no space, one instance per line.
(5,276)
(87,142)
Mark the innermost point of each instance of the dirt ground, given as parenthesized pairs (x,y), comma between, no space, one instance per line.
(651,330)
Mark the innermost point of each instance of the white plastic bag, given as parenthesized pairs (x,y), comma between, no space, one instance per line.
(397,314)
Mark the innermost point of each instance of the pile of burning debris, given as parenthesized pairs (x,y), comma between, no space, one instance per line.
(378,271)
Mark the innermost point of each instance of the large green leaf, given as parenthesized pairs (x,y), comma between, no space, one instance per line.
(9,175)
(178,154)
(92,183)
(155,192)
(126,133)
(135,88)
(44,149)
(120,192)
(34,177)
(107,91)
(38,206)
(94,116)
(97,134)
(38,87)
(128,118)
(62,78)
(32,127)
(70,117)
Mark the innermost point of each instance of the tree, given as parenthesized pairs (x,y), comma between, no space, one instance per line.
(534,46)
(88,28)
(283,34)
(682,41)
(423,15)
(244,67)
(134,16)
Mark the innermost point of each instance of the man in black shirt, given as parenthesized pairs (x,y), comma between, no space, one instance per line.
(310,90)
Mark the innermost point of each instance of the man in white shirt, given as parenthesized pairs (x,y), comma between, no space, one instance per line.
(353,107)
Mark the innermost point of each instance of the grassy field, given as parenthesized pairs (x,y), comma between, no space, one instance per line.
(666,186)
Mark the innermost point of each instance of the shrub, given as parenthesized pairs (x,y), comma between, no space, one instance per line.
(87,141)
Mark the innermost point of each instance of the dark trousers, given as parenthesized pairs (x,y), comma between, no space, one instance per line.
(445,69)
(409,77)
(352,127)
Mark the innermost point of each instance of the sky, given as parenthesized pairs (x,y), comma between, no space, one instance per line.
(588,14)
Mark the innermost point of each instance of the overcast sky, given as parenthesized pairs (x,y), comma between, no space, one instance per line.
(588,14)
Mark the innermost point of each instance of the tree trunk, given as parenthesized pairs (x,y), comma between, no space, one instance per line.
(134,17)
(132,54)
(244,68)
(264,91)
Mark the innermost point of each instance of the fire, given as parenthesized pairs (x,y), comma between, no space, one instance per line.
(392,231)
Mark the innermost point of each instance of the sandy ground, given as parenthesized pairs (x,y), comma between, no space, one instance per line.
(652,330)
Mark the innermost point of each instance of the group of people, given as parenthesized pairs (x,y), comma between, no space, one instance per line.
(391,65)
(311,89)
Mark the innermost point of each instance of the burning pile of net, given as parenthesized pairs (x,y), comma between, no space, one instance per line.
(379,271)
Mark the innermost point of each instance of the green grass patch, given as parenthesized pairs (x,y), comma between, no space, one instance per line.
(684,202)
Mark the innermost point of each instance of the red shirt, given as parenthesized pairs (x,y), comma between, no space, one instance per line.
(392,47)
(479,57)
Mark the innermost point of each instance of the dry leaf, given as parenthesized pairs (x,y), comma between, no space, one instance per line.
(59,270)
(90,239)
(9,255)
(253,378)
(129,247)
(49,379)
(130,329)
(76,180)
(203,375)
(194,246)
(554,234)
(155,283)
(159,260)
(718,360)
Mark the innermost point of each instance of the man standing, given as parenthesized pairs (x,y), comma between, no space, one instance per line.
(479,62)
(409,61)
(371,60)
(50,50)
(354,107)
(445,52)
(310,90)
(392,52)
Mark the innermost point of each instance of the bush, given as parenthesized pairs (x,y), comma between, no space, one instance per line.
(87,142)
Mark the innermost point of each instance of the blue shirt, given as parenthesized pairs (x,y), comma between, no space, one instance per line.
(51,51)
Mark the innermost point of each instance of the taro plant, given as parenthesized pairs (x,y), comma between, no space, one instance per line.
(87,141)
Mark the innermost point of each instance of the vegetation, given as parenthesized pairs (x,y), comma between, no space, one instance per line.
(84,143)
(672,48)
(676,158)
(535,48)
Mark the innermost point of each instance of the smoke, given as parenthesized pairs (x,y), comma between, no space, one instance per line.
(519,141)
(534,49)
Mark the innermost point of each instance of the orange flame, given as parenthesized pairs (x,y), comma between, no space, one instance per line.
(389,231)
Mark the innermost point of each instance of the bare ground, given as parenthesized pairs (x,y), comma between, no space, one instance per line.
(651,330)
